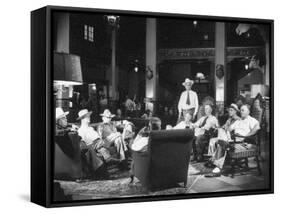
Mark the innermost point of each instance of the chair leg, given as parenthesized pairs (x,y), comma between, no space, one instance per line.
(246,163)
(233,168)
(258,165)
(185,183)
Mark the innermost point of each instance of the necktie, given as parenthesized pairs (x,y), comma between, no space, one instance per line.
(204,122)
(187,99)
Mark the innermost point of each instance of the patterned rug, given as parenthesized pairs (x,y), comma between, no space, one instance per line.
(118,185)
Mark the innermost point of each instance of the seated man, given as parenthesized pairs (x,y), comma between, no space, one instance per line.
(242,129)
(186,123)
(94,145)
(203,128)
(110,136)
(217,145)
(61,136)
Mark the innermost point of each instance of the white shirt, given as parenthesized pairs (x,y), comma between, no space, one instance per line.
(244,126)
(193,101)
(181,125)
(211,122)
(88,134)
(140,144)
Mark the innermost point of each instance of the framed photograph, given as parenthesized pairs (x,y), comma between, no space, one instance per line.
(142,106)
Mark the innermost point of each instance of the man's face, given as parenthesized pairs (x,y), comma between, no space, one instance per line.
(187,87)
(257,103)
(231,112)
(106,119)
(244,111)
(208,110)
(239,103)
(62,121)
(87,119)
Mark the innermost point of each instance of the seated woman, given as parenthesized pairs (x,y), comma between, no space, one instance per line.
(217,147)
(203,128)
(244,128)
(257,111)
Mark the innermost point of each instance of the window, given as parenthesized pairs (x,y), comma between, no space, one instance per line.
(89,33)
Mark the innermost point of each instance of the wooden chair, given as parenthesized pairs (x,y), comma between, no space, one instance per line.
(240,158)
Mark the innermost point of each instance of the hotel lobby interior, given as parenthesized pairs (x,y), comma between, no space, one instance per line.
(134,67)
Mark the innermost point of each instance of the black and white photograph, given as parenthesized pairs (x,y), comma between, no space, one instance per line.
(154,106)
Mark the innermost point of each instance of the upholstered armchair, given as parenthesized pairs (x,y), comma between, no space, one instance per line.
(165,163)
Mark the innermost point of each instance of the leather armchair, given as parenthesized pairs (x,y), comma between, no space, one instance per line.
(165,164)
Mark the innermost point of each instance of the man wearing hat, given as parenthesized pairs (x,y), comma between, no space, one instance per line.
(108,132)
(188,101)
(93,141)
(217,146)
(61,120)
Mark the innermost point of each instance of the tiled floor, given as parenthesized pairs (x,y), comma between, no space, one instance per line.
(197,183)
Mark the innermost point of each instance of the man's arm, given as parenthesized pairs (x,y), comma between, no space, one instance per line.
(196,104)
(180,104)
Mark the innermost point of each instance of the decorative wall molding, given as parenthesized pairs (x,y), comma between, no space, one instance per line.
(206,53)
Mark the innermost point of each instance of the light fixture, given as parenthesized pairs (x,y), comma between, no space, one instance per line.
(200,76)
(93,86)
(136,69)
(113,20)
(195,23)
(246,66)
(67,69)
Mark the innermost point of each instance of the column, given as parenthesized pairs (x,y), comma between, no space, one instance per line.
(61,32)
(151,60)
(220,59)
(113,65)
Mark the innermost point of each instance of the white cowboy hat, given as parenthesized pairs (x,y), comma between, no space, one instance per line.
(187,81)
(60,113)
(107,113)
(83,113)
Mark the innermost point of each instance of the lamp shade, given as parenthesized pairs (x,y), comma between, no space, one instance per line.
(67,69)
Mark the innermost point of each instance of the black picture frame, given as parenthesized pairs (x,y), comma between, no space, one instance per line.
(42,111)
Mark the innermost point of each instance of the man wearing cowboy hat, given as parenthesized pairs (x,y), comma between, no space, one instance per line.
(61,120)
(110,136)
(188,100)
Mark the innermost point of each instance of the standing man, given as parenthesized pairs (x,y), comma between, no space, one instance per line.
(188,101)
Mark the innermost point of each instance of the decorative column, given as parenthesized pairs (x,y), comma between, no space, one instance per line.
(113,22)
(62,31)
(151,61)
(220,66)
(113,64)
(267,63)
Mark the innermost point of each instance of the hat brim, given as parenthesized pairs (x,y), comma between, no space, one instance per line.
(62,115)
(109,116)
(84,115)
(188,83)
(234,108)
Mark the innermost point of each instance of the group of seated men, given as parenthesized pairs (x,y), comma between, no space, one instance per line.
(239,126)
(106,144)
(103,144)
